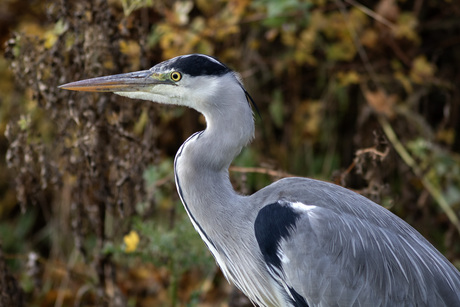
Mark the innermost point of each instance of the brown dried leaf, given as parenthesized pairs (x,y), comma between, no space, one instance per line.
(381,102)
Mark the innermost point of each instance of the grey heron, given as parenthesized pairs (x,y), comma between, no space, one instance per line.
(298,241)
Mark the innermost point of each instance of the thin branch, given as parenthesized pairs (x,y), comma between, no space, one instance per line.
(259,170)
(372,14)
(373,151)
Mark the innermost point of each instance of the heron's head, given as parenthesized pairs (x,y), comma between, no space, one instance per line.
(194,80)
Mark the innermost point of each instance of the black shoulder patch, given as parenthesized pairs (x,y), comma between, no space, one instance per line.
(273,223)
(195,65)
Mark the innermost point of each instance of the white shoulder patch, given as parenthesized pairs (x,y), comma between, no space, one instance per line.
(302,207)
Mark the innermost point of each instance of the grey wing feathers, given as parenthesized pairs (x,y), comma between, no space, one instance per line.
(344,250)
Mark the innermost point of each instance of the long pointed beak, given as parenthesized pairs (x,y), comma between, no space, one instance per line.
(128,82)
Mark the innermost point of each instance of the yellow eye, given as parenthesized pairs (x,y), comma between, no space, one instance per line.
(176,76)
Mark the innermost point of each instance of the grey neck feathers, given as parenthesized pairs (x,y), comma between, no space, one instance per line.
(202,163)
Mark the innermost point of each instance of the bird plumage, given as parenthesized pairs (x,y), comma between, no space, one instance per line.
(297,242)
(362,254)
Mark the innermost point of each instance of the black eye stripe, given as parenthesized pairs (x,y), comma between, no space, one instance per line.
(193,65)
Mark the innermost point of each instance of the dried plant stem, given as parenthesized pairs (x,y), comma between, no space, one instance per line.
(407,158)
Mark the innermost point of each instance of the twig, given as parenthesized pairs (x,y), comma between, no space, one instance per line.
(372,14)
(260,170)
(358,153)
(373,151)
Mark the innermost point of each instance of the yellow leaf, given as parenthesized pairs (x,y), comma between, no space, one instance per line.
(132,49)
(370,38)
(24,122)
(314,118)
(348,77)
(341,51)
(305,47)
(405,81)
(131,241)
(446,135)
(407,27)
(308,119)
(50,39)
(209,8)
(422,70)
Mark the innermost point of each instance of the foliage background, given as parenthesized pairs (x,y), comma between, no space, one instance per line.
(364,94)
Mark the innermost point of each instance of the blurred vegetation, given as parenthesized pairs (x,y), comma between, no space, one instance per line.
(364,94)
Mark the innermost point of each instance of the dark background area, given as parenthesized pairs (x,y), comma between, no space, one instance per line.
(364,94)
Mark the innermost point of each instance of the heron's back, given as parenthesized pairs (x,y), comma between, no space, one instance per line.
(344,250)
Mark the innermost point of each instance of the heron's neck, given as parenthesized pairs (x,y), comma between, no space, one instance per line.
(223,218)
(201,165)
